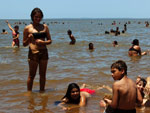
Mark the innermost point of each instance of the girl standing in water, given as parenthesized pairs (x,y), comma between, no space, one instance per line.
(15,34)
(37,36)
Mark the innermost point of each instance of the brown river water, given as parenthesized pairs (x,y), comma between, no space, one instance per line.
(70,63)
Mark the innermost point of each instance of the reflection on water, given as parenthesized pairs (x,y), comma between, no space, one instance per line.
(69,63)
(38,103)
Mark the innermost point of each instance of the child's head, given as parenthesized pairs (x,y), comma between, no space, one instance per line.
(16,28)
(115,43)
(91,46)
(73,93)
(141,85)
(3,30)
(118,69)
(69,32)
(123,31)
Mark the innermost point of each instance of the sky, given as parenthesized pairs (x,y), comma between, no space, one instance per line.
(21,9)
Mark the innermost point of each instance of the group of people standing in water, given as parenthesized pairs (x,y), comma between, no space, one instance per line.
(37,37)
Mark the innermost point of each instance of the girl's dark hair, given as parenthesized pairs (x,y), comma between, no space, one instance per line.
(16,27)
(135,42)
(144,84)
(68,93)
(120,65)
(34,11)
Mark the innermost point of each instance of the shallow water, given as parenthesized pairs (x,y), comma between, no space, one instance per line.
(69,63)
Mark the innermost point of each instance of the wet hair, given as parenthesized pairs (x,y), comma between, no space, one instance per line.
(144,82)
(120,65)
(106,32)
(3,30)
(34,11)
(123,31)
(91,46)
(68,93)
(135,42)
(115,42)
(69,32)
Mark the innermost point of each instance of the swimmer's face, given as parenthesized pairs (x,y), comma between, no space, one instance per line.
(75,93)
(116,74)
(140,85)
(37,18)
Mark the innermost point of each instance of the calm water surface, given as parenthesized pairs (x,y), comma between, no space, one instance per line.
(69,63)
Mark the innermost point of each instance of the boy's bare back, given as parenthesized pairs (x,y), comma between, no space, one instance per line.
(125,93)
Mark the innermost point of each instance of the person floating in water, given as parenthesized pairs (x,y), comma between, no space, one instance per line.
(15,34)
(75,95)
(135,49)
(4,31)
(125,92)
(73,40)
(37,36)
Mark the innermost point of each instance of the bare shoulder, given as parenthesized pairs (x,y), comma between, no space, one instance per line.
(45,26)
(137,47)
(28,27)
(116,84)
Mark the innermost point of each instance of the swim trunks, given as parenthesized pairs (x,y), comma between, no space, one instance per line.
(41,55)
(109,109)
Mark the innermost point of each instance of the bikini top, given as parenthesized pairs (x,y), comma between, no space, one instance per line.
(39,35)
(15,34)
(132,49)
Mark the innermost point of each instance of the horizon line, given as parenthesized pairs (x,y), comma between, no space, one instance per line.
(78,18)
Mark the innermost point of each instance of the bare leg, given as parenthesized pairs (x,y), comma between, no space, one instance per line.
(83,86)
(42,72)
(13,44)
(32,72)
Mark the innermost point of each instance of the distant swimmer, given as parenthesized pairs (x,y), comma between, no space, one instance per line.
(4,31)
(15,34)
(135,49)
(73,40)
(37,36)
(117,31)
(125,27)
(115,43)
(147,24)
(91,46)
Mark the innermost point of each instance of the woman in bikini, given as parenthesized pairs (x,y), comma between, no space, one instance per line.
(37,36)
(135,49)
(15,34)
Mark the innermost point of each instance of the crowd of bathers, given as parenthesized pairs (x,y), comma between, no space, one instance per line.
(126,94)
